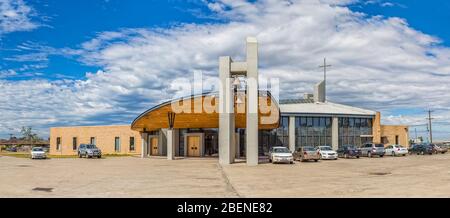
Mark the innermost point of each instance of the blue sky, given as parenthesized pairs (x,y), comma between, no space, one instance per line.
(89,53)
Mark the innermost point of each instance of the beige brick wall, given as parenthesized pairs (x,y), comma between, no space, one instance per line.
(104,136)
(389,133)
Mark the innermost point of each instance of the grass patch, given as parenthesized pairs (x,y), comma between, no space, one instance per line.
(15,154)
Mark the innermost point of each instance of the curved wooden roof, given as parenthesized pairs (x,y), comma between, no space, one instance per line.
(201,112)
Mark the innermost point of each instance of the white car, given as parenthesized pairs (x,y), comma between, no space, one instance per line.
(327,153)
(396,150)
(280,155)
(38,153)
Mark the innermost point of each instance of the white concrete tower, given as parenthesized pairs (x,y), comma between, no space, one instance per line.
(228,69)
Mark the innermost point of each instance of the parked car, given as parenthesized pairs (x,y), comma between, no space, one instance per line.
(347,151)
(372,149)
(307,153)
(38,153)
(396,150)
(327,153)
(280,155)
(89,151)
(11,149)
(421,149)
(439,149)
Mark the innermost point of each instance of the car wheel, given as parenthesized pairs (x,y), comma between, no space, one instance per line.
(292,162)
(357,157)
(99,157)
(79,155)
(393,154)
(316,160)
(381,156)
(270,160)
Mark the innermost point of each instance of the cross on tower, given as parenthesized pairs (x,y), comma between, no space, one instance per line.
(325,66)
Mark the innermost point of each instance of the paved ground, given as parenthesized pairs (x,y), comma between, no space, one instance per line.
(412,176)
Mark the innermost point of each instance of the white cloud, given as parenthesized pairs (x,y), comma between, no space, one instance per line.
(378,63)
(16,15)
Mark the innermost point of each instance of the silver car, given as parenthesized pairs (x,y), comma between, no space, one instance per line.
(280,155)
(371,149)
(307,153)
(89,151)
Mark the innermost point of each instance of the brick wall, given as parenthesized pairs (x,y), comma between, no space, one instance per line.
(389,134)
(104,137)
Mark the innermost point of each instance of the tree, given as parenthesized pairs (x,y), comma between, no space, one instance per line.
(28,135)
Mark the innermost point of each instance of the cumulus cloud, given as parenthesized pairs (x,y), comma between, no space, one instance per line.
(378,63)
(16,15)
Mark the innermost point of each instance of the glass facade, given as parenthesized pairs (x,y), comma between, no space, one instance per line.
(312,131)
(277,137)
(355,131)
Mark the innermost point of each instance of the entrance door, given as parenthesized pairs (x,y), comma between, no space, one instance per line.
(193,146)
(154,146)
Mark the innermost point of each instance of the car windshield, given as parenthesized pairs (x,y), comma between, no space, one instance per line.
(38,149)
(325,148)
(90,146)
(281,150)
(309,148)
(379,145)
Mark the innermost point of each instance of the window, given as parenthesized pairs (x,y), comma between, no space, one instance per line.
(74,143)
(132,144)
(93,141)
(117,144)
(396,140)
(58,143)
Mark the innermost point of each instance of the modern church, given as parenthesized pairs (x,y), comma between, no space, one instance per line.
(235,123)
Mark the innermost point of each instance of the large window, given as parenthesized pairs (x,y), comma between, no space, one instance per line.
(312,131)
(132,147)
(277,137)
(117,144)
(74,143)
(354,131)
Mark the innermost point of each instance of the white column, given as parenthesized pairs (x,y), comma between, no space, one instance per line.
(252,102)
(170,144)
(335,133)
(292,133)
(144,145)
(226,113)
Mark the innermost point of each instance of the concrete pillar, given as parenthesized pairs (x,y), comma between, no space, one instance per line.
(292,133)
(170,144)
(162,142)
(226,113)
(335,133)
(144,146)
(376,128)
(252,102)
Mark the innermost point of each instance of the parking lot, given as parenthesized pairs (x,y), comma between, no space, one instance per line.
(411,176)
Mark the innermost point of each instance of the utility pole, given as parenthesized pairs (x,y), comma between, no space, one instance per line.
(415,131)
(325,66)
(430,130)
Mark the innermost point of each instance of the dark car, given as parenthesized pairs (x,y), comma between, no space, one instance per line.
(421,149)
(348,151)
(11,149)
